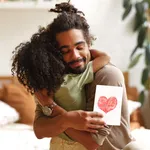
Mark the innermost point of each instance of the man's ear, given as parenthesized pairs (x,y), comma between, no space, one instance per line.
(89,47)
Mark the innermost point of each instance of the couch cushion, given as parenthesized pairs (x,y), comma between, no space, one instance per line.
(17,96)
(7,114)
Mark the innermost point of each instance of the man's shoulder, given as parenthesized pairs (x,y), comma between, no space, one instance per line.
(109,73)
(110,69)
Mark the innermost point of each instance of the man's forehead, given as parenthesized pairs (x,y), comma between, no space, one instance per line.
(70,37)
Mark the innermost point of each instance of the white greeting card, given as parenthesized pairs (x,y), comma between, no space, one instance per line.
(108,101)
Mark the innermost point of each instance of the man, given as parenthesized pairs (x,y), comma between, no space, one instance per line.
(69,32)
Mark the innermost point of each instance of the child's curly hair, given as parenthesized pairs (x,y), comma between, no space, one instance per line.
(38,65)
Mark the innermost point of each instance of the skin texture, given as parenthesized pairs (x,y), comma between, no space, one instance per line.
(75,50)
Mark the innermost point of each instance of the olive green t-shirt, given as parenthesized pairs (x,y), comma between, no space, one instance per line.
(71,95)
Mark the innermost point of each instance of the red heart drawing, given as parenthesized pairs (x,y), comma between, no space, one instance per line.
(107,104)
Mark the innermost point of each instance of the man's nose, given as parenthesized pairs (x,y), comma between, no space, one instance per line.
(75,54)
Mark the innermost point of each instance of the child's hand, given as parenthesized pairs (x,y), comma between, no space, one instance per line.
(100,59)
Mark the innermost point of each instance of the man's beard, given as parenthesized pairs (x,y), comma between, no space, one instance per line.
(76,70)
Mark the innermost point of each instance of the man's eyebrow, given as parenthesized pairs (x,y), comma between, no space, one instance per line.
(78,43)
(67,46)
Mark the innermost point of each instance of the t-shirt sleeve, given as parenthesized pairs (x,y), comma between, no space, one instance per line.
(87,76)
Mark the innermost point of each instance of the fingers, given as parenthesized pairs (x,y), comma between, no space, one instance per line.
(97,121)
(93,126)
(92,130)
(95,114)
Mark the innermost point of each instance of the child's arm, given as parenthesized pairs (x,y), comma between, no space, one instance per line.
(99,59)
(44,100)
(76,135)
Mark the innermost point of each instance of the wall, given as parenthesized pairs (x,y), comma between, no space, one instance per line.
(104,16)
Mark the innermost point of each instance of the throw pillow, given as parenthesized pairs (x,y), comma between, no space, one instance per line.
(7,114)
(17,96)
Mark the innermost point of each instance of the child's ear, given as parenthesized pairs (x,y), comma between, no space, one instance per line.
(44,92)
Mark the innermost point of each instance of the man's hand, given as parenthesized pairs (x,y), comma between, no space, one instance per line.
(85,120)
(85,138)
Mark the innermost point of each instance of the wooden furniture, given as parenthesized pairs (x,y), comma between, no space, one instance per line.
(132,92)
(17,96)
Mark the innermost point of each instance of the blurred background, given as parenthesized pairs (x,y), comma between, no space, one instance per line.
(121,29)
(114,36)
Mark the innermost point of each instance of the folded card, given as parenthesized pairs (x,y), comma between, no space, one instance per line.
(108,101)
